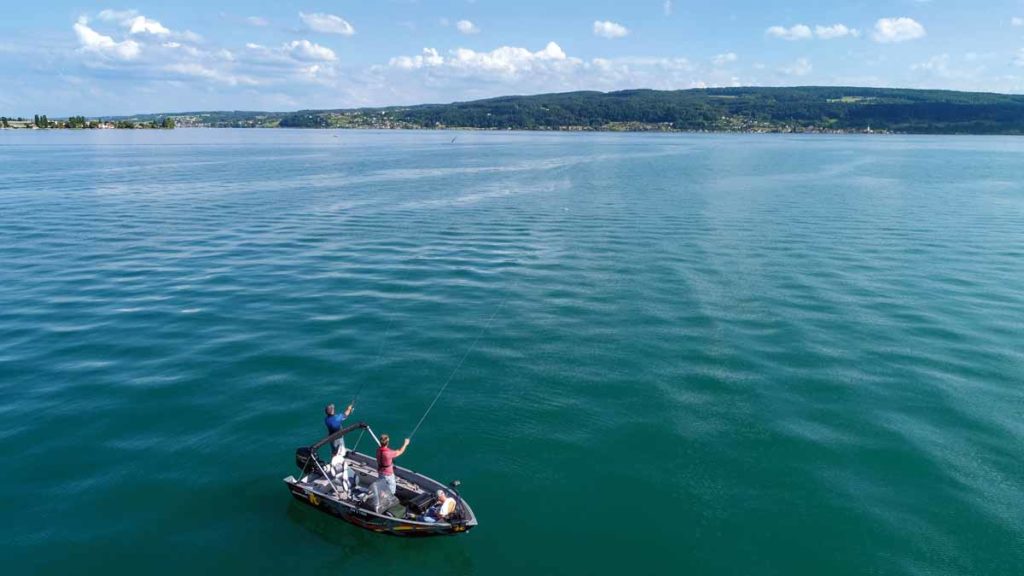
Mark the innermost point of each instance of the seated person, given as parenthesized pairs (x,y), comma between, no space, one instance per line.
(441,510)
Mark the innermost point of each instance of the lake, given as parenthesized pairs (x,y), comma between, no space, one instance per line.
(698,354)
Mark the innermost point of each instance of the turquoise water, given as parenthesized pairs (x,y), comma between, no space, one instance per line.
(709,354)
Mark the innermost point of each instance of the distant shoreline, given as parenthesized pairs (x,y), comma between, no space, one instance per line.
(789,110)
(474,129)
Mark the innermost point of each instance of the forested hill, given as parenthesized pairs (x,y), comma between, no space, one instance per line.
(798,109)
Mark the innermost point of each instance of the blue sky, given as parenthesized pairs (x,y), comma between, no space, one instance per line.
(97,57)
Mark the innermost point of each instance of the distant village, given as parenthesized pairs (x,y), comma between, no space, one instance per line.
(41,122)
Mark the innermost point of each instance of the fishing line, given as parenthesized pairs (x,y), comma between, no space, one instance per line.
(461,362)
(380,352)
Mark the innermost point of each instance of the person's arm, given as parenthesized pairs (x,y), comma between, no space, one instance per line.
(348,411)
(401,450)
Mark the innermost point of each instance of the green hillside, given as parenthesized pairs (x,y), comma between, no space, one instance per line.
(800,109)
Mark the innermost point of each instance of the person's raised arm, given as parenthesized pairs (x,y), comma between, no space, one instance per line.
(348,410)
(401,450)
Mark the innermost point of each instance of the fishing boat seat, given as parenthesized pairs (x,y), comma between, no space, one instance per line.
(396,511)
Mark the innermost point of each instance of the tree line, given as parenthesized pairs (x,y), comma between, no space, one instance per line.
(81,122)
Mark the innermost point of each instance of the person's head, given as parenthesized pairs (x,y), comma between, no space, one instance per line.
(384,439)
(329,409)
(441,496)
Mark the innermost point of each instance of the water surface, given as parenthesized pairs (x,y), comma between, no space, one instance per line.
(709,354)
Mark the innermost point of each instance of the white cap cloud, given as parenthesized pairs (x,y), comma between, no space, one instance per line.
(609,29)
(466,27)
(327,24)
(892,30)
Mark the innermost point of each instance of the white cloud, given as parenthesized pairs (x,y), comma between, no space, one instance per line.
(429,57)
(257,21)
(143,25)
(309,52)
(134,22)
(667,7)
(723,59)
(502,61)
(1016,21)
(152,61)
(92,41)
(797,32)
(835,31)
(891,30)
(507,60)
(609,29)
(298,60)
(327,24)
(802,67)
(437,75)
(466,27)
(804,32)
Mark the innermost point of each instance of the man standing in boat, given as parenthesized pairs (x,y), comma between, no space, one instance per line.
(333,422)
(385,460)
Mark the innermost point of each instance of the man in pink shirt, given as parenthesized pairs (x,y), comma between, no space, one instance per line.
(385,460)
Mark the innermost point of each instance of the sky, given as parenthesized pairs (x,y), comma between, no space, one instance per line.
(98,57)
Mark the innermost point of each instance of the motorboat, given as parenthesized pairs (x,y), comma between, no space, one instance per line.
(347,485)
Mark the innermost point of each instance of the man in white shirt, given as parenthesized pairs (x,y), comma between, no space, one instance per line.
(442,509)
